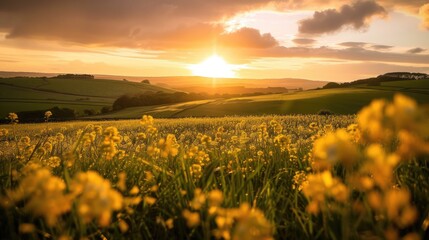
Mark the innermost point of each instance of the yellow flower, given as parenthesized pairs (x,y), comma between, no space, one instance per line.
(95,198)
(379,165)
(53,162)
(26,228)
(199,199)
(59,137)
(334,147)
(192,218)
(282,141)
(13,117)
(215,198)
(399,208)
(3,132)
(168,146)
(44,194)
(251,224)
(48,114)
(298,180)
(322,186)
(146,120)
(149,200)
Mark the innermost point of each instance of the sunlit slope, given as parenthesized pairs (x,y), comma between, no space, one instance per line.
(28,94)
(339,101)
(158,111)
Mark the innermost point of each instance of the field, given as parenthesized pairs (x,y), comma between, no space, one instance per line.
(285,177)
(338,101)
(29,94)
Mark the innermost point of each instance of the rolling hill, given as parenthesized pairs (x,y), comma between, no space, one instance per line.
(40,93)
(346,100)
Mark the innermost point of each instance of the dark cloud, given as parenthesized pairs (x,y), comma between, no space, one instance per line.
(353,44)
(303,41)
(165,24)
(416,50)
(381,47)
(111,22)
(355,15)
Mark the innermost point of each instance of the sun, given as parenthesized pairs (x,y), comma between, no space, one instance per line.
(214,67)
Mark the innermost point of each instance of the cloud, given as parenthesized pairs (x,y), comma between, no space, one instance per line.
(248,38)
(353,44)
(381,47)
(303,41)
(111,22)
(351,54)
(356,15)
(416,50)
(424,14)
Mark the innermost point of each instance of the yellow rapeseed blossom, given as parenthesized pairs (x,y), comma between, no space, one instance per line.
(3,132)
(13,118)
(371,122)
(399,208)
(53,162)
(298,180)
(379,165)
(95,198)
(168,146)
(215,198)
(109,146)
(282,141)
(26,228)
(48,114)
(332,148)
(44,194)
(199,199)
(192,218)
(319,187)
(251,224)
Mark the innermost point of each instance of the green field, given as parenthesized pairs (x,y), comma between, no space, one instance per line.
(260,177)
(26,94)
(29,94)
(338,101)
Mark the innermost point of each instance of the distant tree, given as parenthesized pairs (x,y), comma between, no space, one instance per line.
(146,81)
(73,76)
(332,85)
(89,112)
(325,112)
(106,109)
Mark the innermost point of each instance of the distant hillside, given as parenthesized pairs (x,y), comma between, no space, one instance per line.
(77,92)
(236,90)
(338,101)
(376,81)
(186,82)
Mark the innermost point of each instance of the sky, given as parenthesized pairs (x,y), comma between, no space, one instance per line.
(331,40)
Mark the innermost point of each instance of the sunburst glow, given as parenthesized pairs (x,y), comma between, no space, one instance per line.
(214,67)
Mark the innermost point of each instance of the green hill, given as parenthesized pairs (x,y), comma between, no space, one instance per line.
(29,94)
(346,100)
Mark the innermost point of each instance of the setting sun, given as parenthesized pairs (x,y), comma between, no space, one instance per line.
(214,67)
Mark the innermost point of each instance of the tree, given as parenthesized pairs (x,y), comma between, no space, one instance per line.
(146,81)
(331,85)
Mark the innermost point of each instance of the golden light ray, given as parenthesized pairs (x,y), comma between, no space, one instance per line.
(214,67)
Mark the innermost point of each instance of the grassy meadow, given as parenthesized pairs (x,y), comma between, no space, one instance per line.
(361,176)
(28,94)
(338,101)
